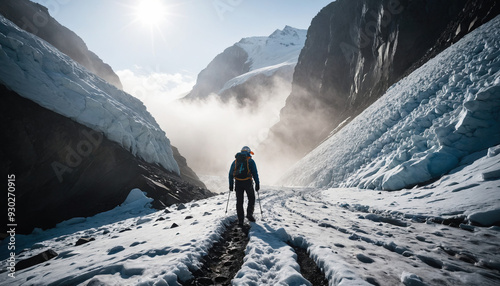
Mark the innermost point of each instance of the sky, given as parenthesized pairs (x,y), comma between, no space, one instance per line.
(188,36)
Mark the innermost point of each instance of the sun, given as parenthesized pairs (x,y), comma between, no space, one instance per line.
(151,12)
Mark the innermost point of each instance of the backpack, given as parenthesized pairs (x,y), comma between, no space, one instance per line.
(241,170)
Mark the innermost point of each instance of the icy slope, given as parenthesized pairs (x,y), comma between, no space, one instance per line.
(422,127)
(36,70)
(266,55)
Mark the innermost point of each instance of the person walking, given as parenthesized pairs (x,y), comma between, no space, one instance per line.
(243,170)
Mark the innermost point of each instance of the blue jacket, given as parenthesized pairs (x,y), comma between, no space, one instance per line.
(253,171)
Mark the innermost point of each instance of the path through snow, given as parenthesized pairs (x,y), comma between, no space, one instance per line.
(357,237)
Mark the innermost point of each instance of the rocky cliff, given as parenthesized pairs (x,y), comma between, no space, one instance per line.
(35,18)
(231,63)
(64,169)
(354,51)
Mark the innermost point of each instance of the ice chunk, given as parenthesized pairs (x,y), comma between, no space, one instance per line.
(410,279)
(485,218)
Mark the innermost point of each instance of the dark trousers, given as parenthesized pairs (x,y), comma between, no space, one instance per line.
(241,187)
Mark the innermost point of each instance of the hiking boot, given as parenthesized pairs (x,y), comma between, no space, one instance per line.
(240,223)
(250,218)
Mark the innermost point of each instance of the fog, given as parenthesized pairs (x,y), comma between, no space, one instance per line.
(209,131)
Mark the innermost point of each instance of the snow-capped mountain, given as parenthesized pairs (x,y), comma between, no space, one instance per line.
(249,59)
(268,55)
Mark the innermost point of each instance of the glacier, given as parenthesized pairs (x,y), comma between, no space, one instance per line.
(423,127)
(38,71)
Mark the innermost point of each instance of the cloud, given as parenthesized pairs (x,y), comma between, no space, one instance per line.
(150,87)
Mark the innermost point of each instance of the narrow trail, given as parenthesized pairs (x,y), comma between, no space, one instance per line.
(224,259)
(308,268)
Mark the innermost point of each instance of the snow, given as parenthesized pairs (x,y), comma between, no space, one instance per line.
(38,71)
(133,245)
(267,55)
(281,46)
(355,236)
(269,260)
(423,127)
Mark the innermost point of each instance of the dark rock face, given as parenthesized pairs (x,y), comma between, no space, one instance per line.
(225,66)
(35,18)
(354,51)
(64,169)
(187,174)
(35,260)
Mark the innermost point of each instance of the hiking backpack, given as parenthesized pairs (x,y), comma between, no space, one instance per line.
(241,170)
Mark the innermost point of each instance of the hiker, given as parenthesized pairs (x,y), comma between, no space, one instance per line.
(243,170)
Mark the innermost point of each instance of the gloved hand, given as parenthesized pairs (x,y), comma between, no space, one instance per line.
(257,187)
(231,188)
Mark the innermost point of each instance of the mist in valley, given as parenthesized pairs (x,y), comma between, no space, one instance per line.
(209,131)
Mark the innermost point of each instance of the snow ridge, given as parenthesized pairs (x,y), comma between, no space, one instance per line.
(281,46)
(266,55)
(421,128)
(38,71)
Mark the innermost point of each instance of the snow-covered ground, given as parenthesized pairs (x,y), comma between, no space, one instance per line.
(356,237)
(426,125)
(38,71)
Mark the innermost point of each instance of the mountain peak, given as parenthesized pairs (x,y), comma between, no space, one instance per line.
(287,32)
(281,46)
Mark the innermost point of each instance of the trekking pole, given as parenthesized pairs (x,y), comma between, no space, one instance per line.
(258,196)
(228,195)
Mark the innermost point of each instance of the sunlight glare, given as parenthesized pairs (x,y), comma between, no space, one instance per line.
(151,12)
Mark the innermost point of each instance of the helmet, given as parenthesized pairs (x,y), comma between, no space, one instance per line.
(246,149)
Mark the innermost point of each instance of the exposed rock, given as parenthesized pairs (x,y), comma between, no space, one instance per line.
(37,259)
(35,18)
(223,260)
(116,249)
(64,169)
(354,51)
(225,66)
(84,240)
(187,174)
